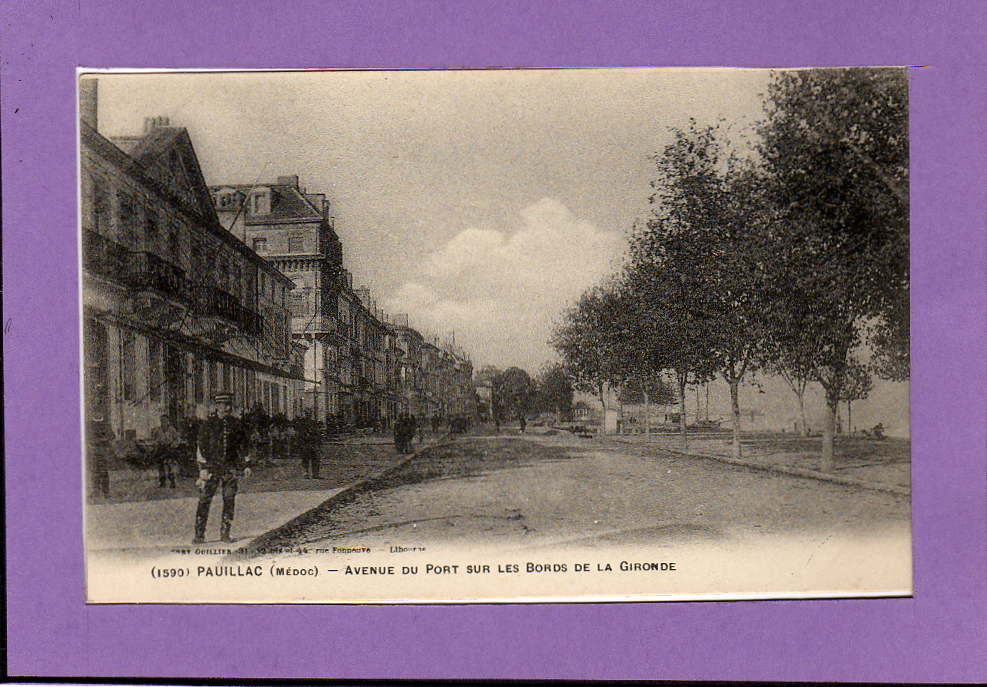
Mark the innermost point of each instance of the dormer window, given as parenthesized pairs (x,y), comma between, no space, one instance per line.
(260,202)
(260,245)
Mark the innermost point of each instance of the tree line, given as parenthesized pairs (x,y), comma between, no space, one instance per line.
(785,254)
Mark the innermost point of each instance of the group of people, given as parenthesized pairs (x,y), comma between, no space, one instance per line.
(218,450)
(226,447)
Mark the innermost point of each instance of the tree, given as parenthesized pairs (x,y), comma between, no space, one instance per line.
(554,391)
(587,343)
(705,251)
(856,386)
(514,392)
(648,389)
(834,151)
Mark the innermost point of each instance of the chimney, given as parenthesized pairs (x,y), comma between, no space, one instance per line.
(88,92)
(152,123)
(325,209)
(291,180)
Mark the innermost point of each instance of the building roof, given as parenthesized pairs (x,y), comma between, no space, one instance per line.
(166,153)
(288,203)
(174,178)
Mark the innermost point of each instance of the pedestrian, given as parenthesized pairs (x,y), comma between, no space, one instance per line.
(522,423)
(223,455)
(313,445)
(165,443)
(418,427)
(290,438)
(189,431)
(99,445)
(275,435)
(399,433)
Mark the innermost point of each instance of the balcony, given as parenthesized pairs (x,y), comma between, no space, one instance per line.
(214,302)
(141,271)
(148,272)
(104,257)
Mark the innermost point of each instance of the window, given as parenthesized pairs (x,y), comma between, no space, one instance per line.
(197,390)
(101,206)
(128,216)
(128,344)
(298,303)
(227,373)
(260,245)
(213,375)
(296,244)
(154,369)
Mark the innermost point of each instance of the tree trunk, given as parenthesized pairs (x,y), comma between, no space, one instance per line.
(685,440)
(849,418)
(647,414)
(805,425)
(620,409)
(829,428)
(735,407)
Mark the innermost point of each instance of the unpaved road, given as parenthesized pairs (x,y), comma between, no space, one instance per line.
(550,491)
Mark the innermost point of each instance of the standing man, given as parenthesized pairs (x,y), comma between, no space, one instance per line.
(223,454)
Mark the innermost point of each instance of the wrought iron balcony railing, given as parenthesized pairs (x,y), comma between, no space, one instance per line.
(104,257)
(150,272)
(145,271)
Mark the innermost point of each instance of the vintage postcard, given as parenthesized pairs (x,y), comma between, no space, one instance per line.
(494,335)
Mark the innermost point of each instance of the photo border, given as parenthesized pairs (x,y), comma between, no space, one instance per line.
(935,636)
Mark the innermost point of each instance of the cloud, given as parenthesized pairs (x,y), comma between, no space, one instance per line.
(501,289)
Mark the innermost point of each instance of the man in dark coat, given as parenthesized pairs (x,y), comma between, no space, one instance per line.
(223,455)
(310,436)
(401,433)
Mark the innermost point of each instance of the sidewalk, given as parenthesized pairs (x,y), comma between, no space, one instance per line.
(157,526)
(880,465)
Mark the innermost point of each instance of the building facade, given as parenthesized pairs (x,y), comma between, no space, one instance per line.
(350,365)
(435,379)
(174,307)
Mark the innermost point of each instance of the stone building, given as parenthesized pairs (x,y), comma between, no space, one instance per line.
(435,379)
(293,230)
(174,306)
(350,367)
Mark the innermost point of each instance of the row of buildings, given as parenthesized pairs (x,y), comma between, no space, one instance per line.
(190,288)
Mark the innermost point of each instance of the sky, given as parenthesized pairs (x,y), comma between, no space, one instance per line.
(480,203)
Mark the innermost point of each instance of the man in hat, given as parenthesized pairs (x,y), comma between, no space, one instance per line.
(223,455)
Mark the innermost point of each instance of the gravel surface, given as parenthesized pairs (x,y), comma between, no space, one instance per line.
(552,490)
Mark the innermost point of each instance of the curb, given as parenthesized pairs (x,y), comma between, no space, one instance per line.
(790,471)
(344,494)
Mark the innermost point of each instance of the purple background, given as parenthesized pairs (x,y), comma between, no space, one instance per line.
(937,636)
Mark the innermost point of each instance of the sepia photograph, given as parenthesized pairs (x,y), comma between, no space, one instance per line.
(506,335)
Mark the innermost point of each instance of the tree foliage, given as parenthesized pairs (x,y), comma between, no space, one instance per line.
(513,393)
(555,390)
(834,147)
(588,343)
